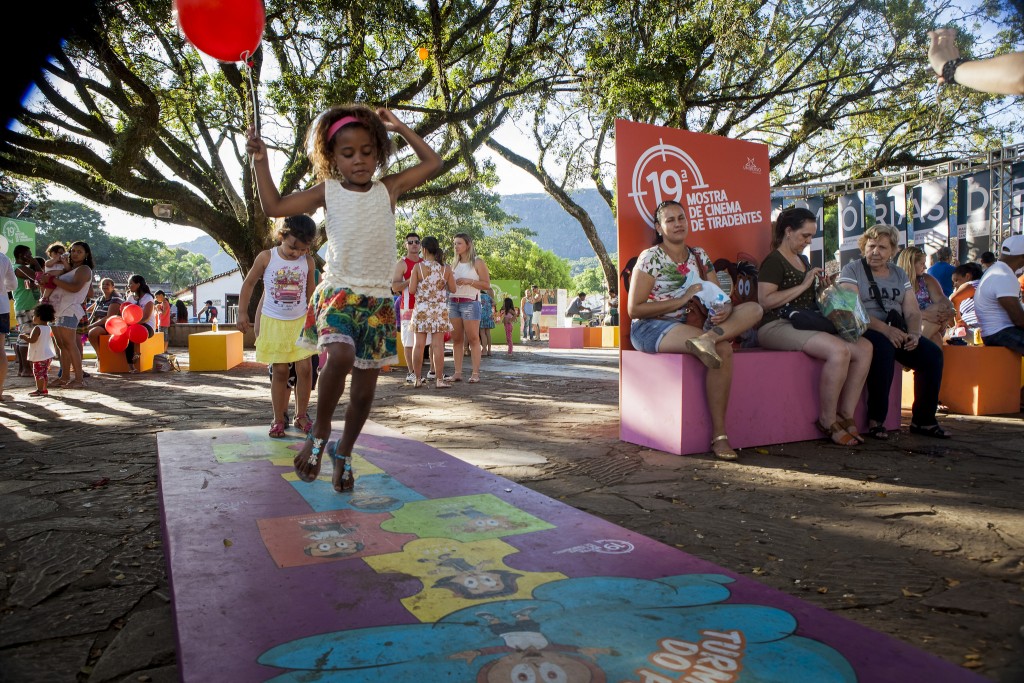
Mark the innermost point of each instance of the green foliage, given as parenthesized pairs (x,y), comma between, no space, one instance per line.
(64,221)
(590,281)
(184,268)
(515,257)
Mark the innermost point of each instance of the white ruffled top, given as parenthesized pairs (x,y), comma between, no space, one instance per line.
(361,249)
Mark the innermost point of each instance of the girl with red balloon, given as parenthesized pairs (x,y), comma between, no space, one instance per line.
(137,322)
(351,315)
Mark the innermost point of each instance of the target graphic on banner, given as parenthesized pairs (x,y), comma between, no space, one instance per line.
(661,173)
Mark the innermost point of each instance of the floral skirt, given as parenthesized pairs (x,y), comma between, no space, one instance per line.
(368,323)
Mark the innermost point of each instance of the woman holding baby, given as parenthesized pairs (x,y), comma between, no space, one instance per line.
(672,287)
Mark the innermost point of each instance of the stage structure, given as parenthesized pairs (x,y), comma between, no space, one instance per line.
(969,204)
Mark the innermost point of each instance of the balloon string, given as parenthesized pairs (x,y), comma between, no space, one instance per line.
(252,92)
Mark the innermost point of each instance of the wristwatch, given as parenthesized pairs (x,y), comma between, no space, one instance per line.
(949,70)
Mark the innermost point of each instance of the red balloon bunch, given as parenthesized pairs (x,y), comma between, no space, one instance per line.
(125,328)
(228,30)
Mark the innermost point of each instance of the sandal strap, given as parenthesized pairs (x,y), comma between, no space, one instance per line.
(318,445)
(720,437)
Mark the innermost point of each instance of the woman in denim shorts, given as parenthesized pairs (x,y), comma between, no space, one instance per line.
(664,285)
(471,276)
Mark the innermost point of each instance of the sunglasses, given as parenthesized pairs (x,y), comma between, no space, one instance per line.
(412,242)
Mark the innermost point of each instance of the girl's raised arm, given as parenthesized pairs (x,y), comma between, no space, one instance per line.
(274,205)
(430,161)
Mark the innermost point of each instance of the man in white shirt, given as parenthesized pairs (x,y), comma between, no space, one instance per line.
(997,299)
(8,282)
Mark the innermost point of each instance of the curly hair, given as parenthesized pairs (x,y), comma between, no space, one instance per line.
(321,150)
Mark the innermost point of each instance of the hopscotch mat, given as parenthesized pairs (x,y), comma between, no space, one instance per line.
(434,570)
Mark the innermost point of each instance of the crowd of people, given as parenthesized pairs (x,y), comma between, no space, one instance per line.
(58,309)
(911,313)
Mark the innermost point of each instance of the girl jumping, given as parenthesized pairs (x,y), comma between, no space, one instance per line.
(351,314)
(287,272)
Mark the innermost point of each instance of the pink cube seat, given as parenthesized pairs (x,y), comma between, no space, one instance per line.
(566,337)
(774,399)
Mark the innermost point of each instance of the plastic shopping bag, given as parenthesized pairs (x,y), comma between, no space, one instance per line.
(845,310)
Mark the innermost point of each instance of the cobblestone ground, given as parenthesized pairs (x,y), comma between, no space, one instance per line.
(917,538)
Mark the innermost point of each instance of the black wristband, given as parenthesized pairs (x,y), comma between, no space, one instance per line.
(949,70)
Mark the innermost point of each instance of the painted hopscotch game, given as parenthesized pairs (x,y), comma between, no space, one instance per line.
(435,570)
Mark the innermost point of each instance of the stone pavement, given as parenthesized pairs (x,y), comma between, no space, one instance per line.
(920,539)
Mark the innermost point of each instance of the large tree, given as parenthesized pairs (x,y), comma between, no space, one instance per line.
(836,88)
(128,115)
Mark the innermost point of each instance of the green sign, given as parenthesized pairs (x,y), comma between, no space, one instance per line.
(14,232)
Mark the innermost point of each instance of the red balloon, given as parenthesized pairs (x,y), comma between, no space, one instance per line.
(228,30)
(115,325)
(138,334)
(131,313)
(118,343)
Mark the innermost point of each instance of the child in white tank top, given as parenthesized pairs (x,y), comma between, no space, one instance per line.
(351,315)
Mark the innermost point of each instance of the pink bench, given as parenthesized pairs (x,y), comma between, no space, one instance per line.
(566,337)
(774,399)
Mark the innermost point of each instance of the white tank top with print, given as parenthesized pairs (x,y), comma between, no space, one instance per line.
(284,287)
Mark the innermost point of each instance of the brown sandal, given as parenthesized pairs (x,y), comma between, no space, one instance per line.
(838,435)
(850,426)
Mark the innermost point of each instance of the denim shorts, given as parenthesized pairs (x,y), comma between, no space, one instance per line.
(1010,337)
(68,321)
(646,333)
(467,310)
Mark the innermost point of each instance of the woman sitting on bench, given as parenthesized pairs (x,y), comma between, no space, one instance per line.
(668,318)
(786,290)
(894,332)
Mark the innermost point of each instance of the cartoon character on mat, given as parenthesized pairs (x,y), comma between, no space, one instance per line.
(581,630)
(472,581)
(331,540)
(529,656)
(480,521)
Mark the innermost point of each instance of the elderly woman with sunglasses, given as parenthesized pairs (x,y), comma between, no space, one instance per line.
(665,283)
(894,331)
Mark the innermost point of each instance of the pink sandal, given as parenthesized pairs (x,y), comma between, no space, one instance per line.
(277,430)
(303,422)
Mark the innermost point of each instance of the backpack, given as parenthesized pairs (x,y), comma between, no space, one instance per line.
(165,362)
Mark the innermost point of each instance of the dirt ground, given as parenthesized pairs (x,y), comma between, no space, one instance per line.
(918,538)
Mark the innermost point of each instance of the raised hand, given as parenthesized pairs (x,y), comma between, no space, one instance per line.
(254,145)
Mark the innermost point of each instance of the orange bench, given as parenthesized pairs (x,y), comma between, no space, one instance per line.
(116,362)
(976,380)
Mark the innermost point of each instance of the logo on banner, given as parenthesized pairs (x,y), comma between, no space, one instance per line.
(752,166)
(12,231)
(665,172)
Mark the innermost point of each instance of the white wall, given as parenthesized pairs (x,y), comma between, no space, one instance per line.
(217,290)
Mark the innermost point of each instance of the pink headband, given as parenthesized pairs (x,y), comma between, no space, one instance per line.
(343,121)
